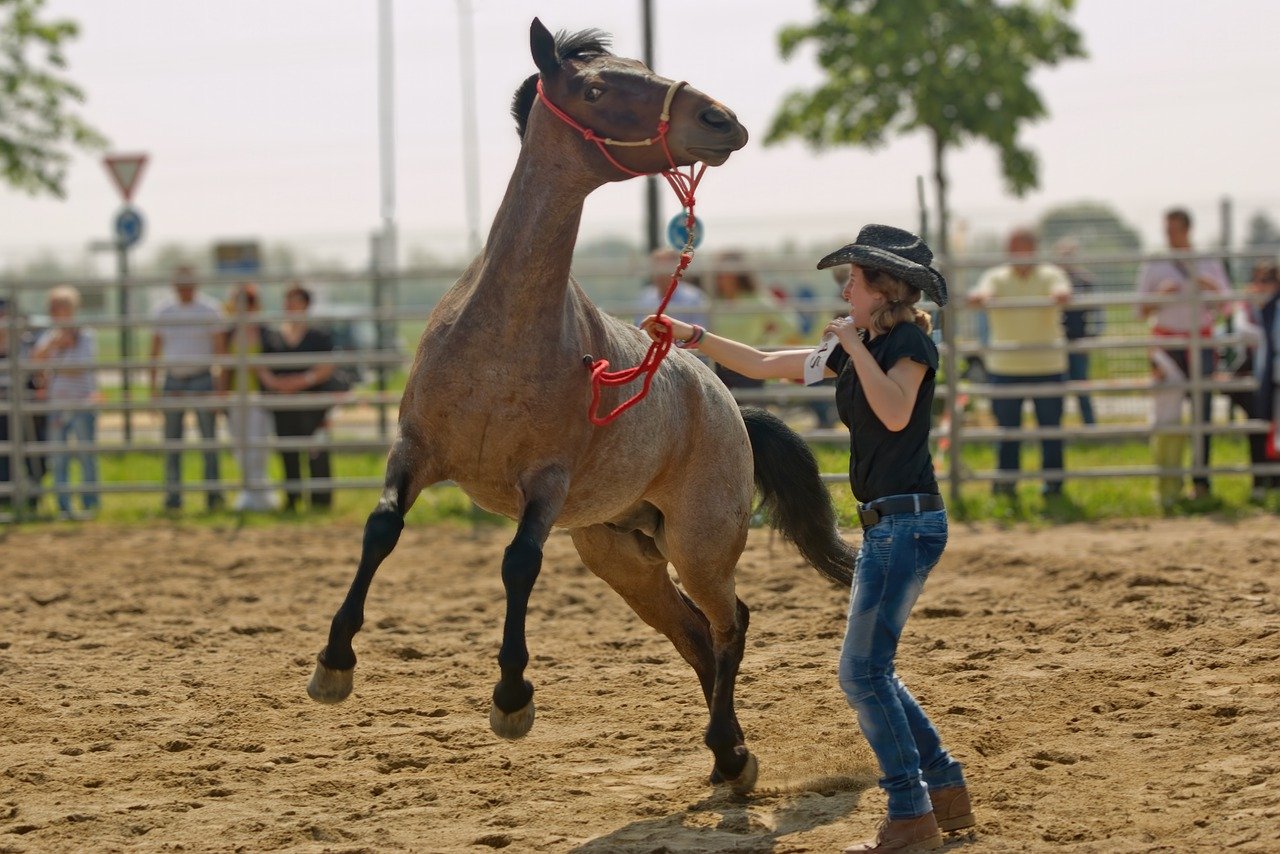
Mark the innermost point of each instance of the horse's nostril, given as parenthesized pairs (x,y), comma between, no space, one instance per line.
(717,119)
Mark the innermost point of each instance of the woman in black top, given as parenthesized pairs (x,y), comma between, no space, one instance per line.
(297,336)
(885,364)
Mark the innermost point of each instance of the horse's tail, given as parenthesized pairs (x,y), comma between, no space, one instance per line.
(793,496)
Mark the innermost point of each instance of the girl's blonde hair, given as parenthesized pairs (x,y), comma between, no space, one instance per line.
(899,304)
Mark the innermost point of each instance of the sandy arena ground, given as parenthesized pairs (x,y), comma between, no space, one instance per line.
(1111,687)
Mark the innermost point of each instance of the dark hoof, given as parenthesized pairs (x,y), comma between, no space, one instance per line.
(511,726)
(328,685)
(745,782)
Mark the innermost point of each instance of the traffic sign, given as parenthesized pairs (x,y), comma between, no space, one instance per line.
(129,226)
(678,233)
(125,170)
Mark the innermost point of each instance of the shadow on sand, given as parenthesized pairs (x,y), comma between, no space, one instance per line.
(726,822)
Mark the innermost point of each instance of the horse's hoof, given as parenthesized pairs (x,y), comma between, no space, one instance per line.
(745,782)
(328,685)
(512,726)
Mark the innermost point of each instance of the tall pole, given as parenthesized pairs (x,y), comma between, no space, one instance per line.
(126,334)
(470,157)
(386,130)
(385,254)
(650,183)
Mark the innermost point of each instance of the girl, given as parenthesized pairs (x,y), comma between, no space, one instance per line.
(884,390)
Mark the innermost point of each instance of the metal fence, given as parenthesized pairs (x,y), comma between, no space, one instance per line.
(392,309)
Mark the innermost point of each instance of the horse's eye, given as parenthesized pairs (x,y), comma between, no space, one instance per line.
(593,93)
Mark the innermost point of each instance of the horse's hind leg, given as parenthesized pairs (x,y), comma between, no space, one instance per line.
(332,680)
(511,715)
(632,565)
(706,568)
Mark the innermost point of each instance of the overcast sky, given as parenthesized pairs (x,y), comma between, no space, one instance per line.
(260,118)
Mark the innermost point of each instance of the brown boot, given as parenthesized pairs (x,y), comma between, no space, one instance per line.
(903,834)
(951,808)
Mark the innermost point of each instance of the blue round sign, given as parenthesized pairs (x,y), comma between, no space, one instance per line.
(677,233)
(129,226)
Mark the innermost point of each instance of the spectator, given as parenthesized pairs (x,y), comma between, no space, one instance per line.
(296,335)
(1039,358)
(1176,321)
(1267,362)
(1168,442)
(1078,323)
(1244,361)
(187,338)
(71,380)
(248,419)
(688,302)
(36,424)
(745,314)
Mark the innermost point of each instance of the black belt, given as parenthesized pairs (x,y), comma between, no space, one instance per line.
(873,511)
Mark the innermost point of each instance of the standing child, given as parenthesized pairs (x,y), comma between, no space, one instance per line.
(884,391)
(69,352)
(1168,442)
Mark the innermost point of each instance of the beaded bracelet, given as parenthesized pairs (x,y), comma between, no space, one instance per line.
(691,343)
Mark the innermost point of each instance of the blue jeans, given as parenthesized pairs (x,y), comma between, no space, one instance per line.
(1008,413)
(1078,369)
(895,559)
(82,426)
(199,385)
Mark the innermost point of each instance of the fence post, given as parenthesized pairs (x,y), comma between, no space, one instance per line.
(1195,376)
(950,318)
(241,404)
(17,388)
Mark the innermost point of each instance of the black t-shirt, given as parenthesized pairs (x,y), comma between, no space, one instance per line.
(314,341)
(882,462)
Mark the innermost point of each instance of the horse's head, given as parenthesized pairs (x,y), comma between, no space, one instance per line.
(622,101)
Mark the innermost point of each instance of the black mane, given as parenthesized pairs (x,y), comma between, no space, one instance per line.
(580,45)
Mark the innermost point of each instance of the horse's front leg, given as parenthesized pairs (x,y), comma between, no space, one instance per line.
(544,494)
(405,479)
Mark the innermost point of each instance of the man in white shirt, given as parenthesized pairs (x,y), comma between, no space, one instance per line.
(1040,357)
(188,335)
(1175,321)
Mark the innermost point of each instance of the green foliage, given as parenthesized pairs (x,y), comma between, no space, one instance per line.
(35,126)
(958,69)
(1094,224)
(1263,232)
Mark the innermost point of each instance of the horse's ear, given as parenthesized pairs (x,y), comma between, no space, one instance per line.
(543,47)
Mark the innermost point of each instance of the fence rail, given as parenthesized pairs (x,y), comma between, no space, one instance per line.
(359,421)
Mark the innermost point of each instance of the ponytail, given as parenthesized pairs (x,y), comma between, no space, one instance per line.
(899,305)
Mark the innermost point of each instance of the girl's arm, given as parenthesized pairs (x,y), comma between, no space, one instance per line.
(736,356)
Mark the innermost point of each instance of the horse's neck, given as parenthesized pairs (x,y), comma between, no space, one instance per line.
(523,272)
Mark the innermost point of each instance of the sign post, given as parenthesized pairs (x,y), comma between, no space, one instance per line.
(125,170)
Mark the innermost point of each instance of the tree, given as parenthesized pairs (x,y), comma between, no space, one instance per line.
(36,128)
(1263,233)
(1095,225)
(956,69)
(1099,231)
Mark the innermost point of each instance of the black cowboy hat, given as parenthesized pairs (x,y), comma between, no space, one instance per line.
(897,252)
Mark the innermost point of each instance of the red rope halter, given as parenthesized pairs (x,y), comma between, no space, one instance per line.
(683,185)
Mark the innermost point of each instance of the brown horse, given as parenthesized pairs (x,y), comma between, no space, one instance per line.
(498,395)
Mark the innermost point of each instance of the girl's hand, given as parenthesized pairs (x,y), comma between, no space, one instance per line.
(681,330)
(845,330)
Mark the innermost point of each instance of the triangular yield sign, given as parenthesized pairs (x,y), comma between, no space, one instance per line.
(125,170)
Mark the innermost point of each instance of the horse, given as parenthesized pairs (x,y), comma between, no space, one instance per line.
(497,402)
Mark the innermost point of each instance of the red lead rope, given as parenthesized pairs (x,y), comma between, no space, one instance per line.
(684,186)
